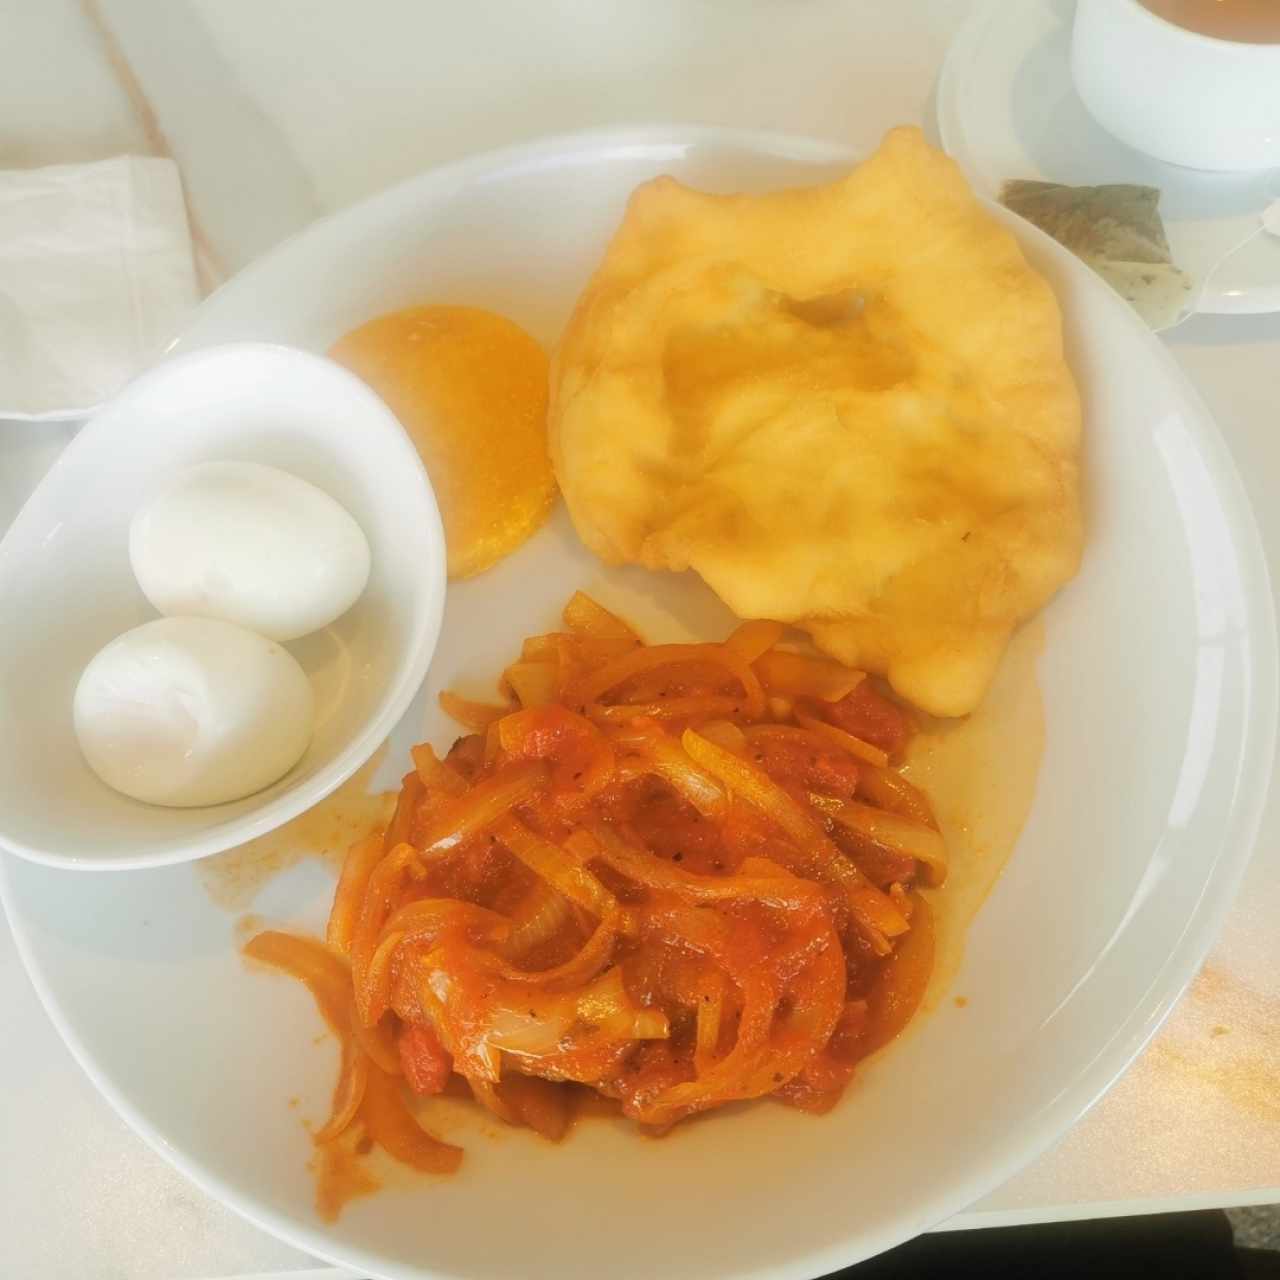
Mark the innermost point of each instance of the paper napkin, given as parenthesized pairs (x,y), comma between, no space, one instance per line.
(96,278)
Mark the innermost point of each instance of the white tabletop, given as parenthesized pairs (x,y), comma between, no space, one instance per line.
(280,113)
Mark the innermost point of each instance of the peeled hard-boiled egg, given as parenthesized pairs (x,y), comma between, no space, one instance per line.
(192,711)
(249,544)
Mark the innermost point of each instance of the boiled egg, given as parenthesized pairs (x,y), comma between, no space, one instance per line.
(192,711)
(249,544)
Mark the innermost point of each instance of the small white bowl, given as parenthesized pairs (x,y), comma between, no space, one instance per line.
(1183,97)
(67,589)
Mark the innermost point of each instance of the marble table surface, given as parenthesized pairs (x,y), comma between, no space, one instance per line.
(281,112)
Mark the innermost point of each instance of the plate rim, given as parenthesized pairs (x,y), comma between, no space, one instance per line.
(1198,934)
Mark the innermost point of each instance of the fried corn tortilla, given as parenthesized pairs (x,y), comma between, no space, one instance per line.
(845,406)
(470,388)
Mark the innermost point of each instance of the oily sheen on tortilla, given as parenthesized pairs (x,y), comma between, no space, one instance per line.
(845,406)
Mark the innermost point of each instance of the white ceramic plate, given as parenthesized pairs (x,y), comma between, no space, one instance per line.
(1007,109)
(1160,686)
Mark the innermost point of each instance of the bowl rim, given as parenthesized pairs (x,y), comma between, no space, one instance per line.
(296,798)
(1259,732)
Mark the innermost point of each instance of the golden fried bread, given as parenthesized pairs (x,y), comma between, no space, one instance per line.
(844,406)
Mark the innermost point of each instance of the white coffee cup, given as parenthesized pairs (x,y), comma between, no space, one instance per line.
(1180,96)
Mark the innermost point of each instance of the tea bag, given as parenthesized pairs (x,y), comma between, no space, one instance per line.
(1118,231)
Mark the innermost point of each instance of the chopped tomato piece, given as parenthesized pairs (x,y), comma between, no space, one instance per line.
(809,767)
(423,1059)
(869,715)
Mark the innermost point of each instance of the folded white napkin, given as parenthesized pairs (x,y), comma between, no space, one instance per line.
(96,278)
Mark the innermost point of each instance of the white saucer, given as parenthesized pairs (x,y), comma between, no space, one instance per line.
(1007,109)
